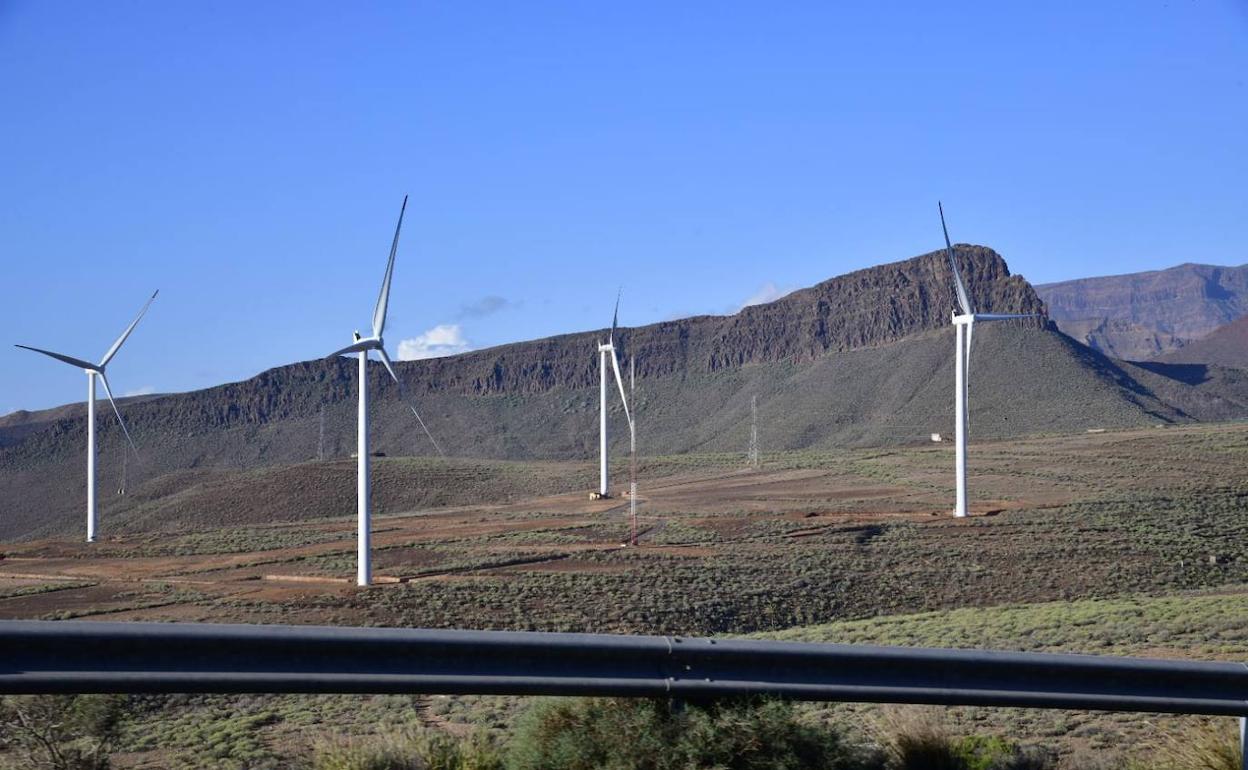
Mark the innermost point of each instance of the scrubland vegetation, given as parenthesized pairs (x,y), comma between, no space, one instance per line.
(349,732)
(1130,544)
(83,732)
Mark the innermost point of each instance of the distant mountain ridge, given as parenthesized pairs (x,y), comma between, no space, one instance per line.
(860,359)
(1144,316)
(1224,346)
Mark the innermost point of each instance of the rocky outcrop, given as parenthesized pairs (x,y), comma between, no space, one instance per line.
(866,308)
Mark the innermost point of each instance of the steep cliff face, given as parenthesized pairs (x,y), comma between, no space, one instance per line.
(866,308)
(1142,316)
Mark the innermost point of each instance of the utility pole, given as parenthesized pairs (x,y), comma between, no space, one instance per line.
(125,456)
(753,453)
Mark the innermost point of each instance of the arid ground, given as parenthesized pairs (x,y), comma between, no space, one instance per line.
(1131,542)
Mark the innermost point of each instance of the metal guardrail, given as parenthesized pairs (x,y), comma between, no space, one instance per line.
(85,657)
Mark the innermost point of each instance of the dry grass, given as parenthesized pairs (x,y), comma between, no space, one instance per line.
(914,738)
(1209,745)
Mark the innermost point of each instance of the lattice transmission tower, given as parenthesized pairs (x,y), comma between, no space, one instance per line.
(320,439)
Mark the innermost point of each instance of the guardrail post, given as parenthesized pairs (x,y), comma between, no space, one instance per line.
(1243,742)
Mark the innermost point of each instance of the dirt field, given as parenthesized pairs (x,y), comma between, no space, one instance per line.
(803,524)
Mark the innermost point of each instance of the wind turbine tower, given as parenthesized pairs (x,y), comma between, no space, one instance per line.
(93,371)
(361,348)
(964,323)
(604,350)
(632,448)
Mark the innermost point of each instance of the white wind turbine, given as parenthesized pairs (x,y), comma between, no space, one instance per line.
(603,350)
(94,370)
(962,365)
(361,348)
(632,448)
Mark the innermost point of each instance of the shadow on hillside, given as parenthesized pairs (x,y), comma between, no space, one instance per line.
(1188,374)
(1104,365)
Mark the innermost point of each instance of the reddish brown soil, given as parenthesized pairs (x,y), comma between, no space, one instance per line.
(558,533)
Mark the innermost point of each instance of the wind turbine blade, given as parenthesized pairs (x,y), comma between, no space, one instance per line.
(619,381)
(970,336)
(117,412)
(966,371)
(963,298)
(117,345)
(385,359)
(67,359)
(383,299)
(355,348)
(615,318)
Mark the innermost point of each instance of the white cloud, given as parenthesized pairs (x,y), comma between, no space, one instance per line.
(441,340)
(768,292)
(146,390)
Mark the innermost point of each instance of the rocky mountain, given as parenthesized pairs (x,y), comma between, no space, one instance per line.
(1224,346)
(861,359)
(1143,316)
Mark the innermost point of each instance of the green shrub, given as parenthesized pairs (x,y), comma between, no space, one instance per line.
(623,734)
(915,742)
(979,752)
(408,750)
(58,732)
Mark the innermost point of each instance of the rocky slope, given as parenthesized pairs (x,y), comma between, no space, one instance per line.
(862,359)
(1141,316)
(1225,346)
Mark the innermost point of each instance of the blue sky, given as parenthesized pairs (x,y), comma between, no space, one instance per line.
(249,159)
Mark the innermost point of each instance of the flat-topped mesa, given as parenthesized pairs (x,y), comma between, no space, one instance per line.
(862,309)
